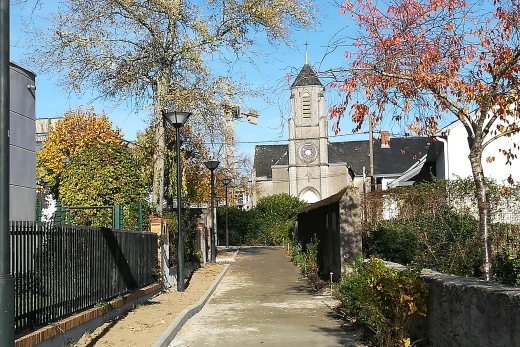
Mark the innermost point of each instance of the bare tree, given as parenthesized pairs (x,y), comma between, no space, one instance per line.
(153,53)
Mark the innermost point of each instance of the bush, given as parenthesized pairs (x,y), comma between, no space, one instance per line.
(437,228)
(270,222)
(307,261)
(444,240)
(383,299)
(394,240)
(507,268)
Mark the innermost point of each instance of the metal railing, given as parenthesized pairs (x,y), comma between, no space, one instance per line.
(63,269)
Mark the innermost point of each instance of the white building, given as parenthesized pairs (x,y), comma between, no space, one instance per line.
(448,158)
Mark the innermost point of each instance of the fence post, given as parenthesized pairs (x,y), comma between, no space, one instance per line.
(38,210)
(58,218)
(121,216)
(140,216)
(115,217)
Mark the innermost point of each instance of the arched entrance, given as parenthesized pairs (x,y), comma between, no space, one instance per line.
(310,195)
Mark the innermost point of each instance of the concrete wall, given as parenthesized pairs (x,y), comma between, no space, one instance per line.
(280,179)
(338,178)
(22,188)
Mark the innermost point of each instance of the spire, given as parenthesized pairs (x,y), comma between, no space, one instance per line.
(306,77)
(306,46)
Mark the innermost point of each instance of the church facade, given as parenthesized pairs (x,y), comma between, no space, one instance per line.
(312,168)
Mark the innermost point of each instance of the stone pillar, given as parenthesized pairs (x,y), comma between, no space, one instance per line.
(350,219)
(161,227)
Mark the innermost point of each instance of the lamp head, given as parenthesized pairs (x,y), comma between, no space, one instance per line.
(226,181)
(212,164)
(176,118)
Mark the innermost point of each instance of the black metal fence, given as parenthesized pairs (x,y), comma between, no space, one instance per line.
(62,269)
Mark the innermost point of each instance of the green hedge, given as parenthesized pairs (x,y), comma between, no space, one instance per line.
(270,222)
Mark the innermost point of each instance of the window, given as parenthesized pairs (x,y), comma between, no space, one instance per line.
(306,105)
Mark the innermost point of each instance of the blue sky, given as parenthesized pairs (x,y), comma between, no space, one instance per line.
(269,70)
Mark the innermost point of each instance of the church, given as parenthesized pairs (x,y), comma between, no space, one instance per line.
(312,168)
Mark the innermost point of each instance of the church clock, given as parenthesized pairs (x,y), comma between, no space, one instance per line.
(308,153)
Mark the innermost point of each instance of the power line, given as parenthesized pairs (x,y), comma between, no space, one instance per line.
(277,141)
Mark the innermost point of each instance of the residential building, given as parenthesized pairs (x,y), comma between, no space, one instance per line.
(448,158)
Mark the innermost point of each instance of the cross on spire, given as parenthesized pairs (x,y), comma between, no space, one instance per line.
(306,46)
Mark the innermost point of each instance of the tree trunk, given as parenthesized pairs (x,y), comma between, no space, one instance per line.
(158,164)
(484,211)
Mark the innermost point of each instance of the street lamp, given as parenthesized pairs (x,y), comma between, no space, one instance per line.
(212,165)
(177,120)
(217,203)
(226,181)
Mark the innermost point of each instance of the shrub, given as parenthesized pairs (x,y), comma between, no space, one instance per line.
(383,299)
(307,261)
(507,268)
(443,239)
(437,227)
(268,223)
(394,240)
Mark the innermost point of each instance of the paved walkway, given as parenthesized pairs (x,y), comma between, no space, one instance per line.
(263,301)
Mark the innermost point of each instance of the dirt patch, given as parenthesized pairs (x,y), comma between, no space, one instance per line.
(224,254)
(145,323)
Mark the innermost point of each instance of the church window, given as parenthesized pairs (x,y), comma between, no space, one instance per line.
(306,105)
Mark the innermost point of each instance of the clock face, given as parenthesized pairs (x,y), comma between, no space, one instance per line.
(308,153)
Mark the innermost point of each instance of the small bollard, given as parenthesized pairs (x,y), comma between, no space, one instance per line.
(331,284)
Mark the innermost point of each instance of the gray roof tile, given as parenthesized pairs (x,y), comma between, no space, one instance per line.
(306,77)
(401,155)
(267,156)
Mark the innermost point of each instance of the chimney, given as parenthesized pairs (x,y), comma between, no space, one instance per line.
(385,139)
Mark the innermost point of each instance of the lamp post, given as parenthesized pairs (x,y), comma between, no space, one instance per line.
(217,202)
(6,280)
(212,165)
(177,120)
(226,181)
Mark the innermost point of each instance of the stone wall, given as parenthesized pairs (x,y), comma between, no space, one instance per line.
(468,312)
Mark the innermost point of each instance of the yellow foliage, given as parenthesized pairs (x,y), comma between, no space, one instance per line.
(79,129)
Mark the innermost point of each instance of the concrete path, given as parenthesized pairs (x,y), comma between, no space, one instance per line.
(263,301)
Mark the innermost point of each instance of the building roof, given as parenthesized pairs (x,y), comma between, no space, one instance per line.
(330,200)
(306,77)
(267,156)
(402,154)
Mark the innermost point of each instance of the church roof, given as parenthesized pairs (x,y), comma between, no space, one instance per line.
(402,154)
(268,155)
(306,77)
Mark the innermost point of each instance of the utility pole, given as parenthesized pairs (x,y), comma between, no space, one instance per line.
(229,134)
(6,280)
(371,149)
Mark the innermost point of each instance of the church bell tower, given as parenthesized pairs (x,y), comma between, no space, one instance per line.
(308,138)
